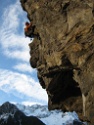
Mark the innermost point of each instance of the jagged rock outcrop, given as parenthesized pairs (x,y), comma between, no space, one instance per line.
(64,56)
(11,115)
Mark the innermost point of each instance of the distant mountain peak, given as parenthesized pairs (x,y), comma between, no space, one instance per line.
(7,107)
(11,115)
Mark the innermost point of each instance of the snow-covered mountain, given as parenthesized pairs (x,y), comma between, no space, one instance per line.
(11,115)
(30,115)
(56,117)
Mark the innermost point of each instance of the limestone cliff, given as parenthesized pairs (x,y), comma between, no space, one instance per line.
(64,56)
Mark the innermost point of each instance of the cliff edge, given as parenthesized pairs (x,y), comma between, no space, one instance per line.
(64,55)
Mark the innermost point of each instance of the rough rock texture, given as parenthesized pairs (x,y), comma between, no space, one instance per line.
(64,56)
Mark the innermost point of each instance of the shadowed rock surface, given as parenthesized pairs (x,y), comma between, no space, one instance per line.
(64,56)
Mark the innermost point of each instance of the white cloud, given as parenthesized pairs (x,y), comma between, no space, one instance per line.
(15,46)
(12,14)
(24,67)
(13,42)
(17,54)
(21,85)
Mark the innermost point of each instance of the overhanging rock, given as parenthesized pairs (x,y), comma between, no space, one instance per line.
(64,56)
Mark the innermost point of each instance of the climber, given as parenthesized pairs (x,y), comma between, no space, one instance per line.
(29,31)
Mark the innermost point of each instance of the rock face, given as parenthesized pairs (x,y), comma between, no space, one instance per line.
(11,115)
(64,56)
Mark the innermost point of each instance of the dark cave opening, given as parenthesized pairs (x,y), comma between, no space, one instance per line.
(65,91)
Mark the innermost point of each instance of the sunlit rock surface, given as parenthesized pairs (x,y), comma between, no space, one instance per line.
(64,56)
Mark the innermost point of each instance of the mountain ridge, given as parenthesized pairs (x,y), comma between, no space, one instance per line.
(11,115)
(18,114)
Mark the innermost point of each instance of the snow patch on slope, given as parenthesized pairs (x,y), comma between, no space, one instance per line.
(56,117)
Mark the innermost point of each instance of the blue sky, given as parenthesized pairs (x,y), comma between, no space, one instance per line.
(18,81)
